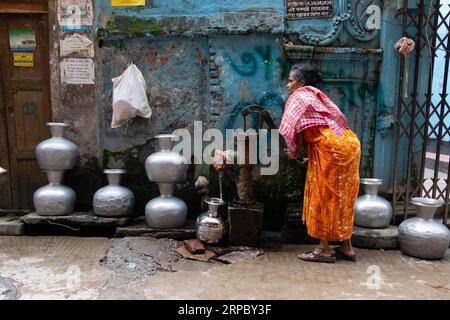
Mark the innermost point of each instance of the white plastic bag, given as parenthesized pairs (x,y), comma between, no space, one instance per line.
(129,97)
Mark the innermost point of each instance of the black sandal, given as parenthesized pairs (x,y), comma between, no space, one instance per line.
(317,257)
(340,255)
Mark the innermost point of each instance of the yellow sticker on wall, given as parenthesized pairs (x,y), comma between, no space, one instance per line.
(23,59)
(123,3)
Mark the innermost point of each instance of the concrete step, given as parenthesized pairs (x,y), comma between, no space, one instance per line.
(375,238)
(76,219)
(139,228)
(11,225)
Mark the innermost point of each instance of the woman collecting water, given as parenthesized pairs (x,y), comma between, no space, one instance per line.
(311,120)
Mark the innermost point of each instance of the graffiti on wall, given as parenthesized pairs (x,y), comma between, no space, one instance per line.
(250,63)
(255,75)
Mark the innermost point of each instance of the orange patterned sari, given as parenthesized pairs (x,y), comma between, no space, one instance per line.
(332,183)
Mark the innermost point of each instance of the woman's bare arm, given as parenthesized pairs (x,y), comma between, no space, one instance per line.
(302,146)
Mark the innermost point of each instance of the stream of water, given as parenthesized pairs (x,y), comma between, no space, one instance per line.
(220,184)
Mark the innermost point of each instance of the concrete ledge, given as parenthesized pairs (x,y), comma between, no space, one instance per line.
(75,219)
(139,228)
(375,238)
(11,225)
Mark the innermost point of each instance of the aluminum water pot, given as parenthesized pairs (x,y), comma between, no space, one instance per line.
(166,211)
(57,153)
(113,200)
(54,199)
(165,165)
(422,236)
(371,210)
(210,226)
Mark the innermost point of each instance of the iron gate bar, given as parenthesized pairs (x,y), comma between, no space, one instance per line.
(441,120)
(428,96)
(447,59)
(414,104)
(398,118)
(447,196)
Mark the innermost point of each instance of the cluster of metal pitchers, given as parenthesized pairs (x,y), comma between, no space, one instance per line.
(54,156)
(57,154)
(422,236)
(166,168)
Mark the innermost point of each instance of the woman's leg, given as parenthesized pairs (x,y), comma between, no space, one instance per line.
(323,246)
(323,249)
(346,248)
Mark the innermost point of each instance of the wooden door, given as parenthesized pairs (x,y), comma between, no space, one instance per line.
(24,109)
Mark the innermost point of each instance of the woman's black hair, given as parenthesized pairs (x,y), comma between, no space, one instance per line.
(307,73)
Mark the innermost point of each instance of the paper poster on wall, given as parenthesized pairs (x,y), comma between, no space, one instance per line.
(22,40)
(23,59)
(77,71)
(123,3)
(75,14)
(76,45)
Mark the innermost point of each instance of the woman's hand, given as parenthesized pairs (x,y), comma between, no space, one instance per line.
(303,162)
(288,154)
(221,159)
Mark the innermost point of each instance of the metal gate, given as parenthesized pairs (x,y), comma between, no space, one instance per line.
(422,148)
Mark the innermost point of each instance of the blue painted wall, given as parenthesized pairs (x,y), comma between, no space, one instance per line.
(206,60)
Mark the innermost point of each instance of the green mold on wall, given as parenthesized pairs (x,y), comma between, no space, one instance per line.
(156,26)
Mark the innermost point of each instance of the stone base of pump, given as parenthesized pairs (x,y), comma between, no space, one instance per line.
(375,238)
(245,224)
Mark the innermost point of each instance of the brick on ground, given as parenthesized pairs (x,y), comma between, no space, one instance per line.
(194,246)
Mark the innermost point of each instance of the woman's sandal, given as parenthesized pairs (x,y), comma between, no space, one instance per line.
(317,257)
(340,255)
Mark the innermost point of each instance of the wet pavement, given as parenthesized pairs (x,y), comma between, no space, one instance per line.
(47,267)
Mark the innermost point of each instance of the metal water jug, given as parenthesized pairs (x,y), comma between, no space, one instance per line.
(113,200)
(371,210)
(210,226)
(165,165)
(54,199)
(57,153)
(166,211)
(422,236)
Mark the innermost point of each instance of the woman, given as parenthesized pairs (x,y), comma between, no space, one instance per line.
(311,120)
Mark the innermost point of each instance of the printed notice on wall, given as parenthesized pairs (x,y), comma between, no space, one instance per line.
(23,59)
(123,3)
(307,9)
(22,40)
(76,45)
(77,71)
(75,14)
